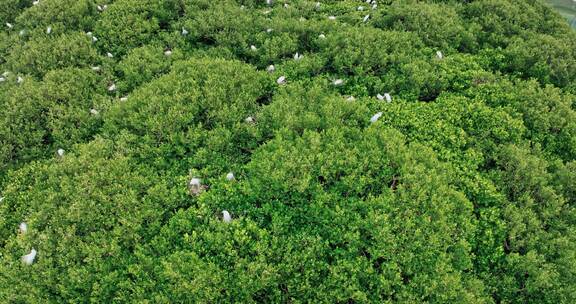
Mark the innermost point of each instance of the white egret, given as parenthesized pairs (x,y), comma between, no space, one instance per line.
(29,258)
(35,2)
(49,30)
(360,8)
(375,117)
(19,80)
(109,55)
(112,87)
(269,30)
(124,99)
(338,82)
(184,32)
(195,186)
(271,68)
(167,52)
(249,119)
(95,68)
(366,18)
(388,97)
(23,228)
(226,216)
(439,55)
(22,32)
(94,112)
(2,79)
(9,25)
(322,36)
(60,152)
(331,17)
(230,176)
(298,56)
(253,48)
(281,80)
(350,98)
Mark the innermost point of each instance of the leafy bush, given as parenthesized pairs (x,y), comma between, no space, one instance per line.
(414,151)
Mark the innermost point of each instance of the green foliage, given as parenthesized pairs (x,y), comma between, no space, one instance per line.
(48,52)
(462,190)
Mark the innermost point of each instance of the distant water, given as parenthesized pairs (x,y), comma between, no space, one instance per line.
(566,8)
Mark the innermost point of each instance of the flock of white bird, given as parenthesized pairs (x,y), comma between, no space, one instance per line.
(195,185)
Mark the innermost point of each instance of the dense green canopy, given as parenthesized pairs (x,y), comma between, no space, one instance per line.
(462,188)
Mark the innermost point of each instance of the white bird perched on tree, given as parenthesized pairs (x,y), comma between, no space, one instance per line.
(195,186)
(366,18)
(271,68)
(338,82)
(19,80)
(60,152)
(35,2)
(49,30)
(29,258)
(253,48)
(168,52)
(124,98)
(226,216)
(94,39)
(322,36)
(22,32)
(375,117)
(269,2)
(317,5)
(109,55)
(1,198)
(269,30)
(286,5)
(439,55)
(331,17)
(281,80)
(23,228)
(249,119)
(350,98)
(374,6)
(95,68)
(94,112)
(388,97)
(184,32)
(112,87)
(9,25)
(230,176)
(2,79)
(360,8)
(298,56)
